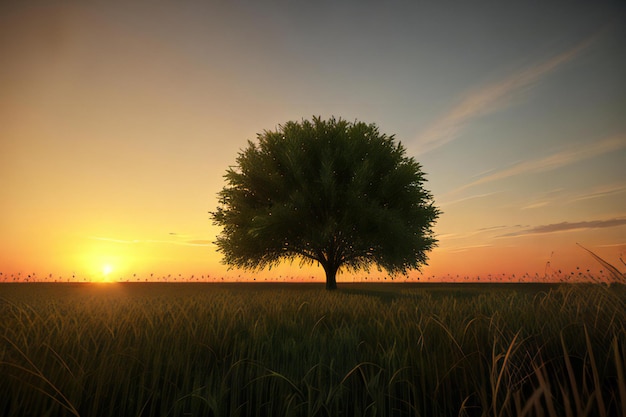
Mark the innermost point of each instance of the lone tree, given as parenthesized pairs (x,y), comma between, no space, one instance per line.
(326,191)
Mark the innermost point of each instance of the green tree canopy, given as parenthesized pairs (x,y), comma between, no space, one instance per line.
(326,191)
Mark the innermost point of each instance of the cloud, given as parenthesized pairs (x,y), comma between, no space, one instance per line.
(567,226)
(199,242)
(467,248)
(108,239)
(546,198)
(447,236)
(471,234)
(491,228)
(196,242)
(602,191)
(490,98)
(536,205)
(613,245)
(554,161)
(471,197)
(559,196)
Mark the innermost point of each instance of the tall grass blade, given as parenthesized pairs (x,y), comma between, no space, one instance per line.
(617,275)
(544,385)
(572,377)
(621,379)
(596,379)
(37,373)
(503,368)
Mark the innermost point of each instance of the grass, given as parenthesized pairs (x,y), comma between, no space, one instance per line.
(296,350)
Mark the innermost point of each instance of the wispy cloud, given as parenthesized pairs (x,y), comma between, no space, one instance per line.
(546,198)
(538,204)
(467,248)
(602,191)
(464,199)
(192,242)
(556,160)
(447,236)
(492,228)
(490,98)
(112,240)
(561,196)
(568,226)
(473,234)
(613,245)
(199,242)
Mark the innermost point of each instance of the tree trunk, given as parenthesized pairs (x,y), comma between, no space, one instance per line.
(331,277)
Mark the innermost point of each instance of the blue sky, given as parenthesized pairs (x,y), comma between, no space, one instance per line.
(118,121)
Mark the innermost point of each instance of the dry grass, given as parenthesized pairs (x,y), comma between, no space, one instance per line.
(297,350)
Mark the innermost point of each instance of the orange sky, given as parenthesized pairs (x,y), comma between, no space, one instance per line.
(118,121)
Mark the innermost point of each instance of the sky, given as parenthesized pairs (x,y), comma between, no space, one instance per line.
(118,121)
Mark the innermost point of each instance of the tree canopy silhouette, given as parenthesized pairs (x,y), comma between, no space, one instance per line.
(326,191)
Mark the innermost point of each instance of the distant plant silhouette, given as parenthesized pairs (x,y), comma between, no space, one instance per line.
(330,192)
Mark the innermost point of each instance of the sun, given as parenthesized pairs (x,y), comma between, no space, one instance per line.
(106,271)
(103,264)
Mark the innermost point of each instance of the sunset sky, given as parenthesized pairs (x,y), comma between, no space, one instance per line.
(118,120)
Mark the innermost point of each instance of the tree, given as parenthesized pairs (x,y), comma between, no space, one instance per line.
(326,191)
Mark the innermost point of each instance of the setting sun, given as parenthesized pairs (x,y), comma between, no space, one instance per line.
(106,270)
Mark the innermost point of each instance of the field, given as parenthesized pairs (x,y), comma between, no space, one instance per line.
(297,350)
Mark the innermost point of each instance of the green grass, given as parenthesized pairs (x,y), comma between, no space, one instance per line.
(298,350)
